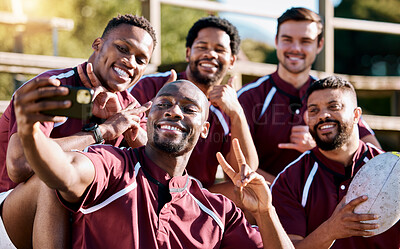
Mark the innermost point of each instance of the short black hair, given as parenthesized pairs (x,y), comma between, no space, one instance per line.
(138,21)
(215,22)
(332,82)
(302,14)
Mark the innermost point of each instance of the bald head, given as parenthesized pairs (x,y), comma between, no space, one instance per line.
(189,91)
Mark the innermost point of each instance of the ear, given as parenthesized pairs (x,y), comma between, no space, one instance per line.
(96,45)
(204,131)
(320,45)
(276,40)
(188,50)
(357,114)
(232,61)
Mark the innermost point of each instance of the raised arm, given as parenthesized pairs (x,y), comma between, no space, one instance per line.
(256,197)
(225,97)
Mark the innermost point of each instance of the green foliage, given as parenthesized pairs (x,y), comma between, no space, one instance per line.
(258,51)
(367,53)
(175,23)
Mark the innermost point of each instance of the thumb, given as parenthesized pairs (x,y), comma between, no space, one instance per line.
(231,80)
(144,107)
(172,77)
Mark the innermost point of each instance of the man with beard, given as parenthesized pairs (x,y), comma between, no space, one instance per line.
(212,45)
(309,193)
(145,195)
(274,104)
(120,57)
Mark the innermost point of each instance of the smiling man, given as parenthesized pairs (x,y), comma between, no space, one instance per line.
(309,194)
(274,104)
(212,45)
(145,195)
(119,59)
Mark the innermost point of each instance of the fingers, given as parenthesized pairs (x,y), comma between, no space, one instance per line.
(288,146)
(225,166)
(241,160)
(143,108)
(95,82)
(230,81)
(172,77)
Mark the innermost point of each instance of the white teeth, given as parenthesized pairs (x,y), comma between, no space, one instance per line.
(294,58)
(168,127)
(326,127)
(121,72)
(207,65)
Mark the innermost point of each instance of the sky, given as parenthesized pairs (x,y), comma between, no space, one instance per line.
(264,29)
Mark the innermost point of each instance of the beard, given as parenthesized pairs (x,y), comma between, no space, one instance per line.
(207,80)
(175,148)
(342,136)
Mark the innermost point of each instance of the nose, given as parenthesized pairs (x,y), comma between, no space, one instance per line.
(130,61)
(324,115)
(210,53)
(175,112)
(295,45)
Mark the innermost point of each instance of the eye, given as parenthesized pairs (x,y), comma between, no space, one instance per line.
(122,49)
(190,109)
(141,61)
(163,105)
(313,111)
(335,107)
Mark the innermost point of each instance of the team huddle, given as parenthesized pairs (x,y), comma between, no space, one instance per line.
(141,172)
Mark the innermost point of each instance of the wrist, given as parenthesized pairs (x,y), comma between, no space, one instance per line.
(95,130)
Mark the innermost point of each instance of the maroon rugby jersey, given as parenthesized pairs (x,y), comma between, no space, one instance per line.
(8,124)
(203,162)
(272,107)
(307,191)
(120,208)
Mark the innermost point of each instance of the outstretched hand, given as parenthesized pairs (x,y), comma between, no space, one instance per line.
(105,103)
(252,188)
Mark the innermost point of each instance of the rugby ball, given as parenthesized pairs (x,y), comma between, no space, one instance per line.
(379,179)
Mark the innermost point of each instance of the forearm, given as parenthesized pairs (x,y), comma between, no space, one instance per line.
(240,130)
(78,141)
(48,160)
(319,239)
(272,233)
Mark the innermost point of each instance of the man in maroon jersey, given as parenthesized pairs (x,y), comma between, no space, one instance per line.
(309,193)
(212,45)
(274,104)
(145,196)
(119,59)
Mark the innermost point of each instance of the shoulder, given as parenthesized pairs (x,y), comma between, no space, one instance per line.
(295,170)
(253,86)
(156,79)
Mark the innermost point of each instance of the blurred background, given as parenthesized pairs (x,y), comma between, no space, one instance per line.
(66,29)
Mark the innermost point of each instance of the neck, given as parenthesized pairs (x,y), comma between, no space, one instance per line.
(173,165)
(295,79)
(344,154)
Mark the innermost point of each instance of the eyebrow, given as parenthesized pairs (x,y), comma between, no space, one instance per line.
(142,52)
(194,101)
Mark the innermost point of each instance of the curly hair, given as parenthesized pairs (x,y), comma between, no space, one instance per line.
(302,14)
(138,21)
(215,22)
(332,82)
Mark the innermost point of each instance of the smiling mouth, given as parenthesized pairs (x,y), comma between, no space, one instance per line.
(121,73)
(324,127)
(171,128)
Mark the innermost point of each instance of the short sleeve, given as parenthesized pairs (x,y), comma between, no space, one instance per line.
(238,232)
(287,202)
